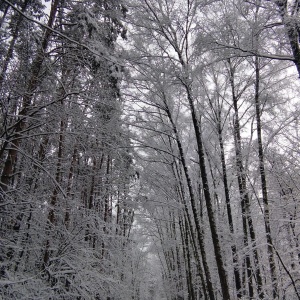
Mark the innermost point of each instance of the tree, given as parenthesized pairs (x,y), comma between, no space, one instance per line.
(67,171)
(149,150)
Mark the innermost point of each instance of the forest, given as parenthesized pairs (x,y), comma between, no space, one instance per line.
(149,149)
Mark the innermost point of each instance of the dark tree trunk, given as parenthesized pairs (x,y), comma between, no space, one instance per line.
(291,27)
(245,201)
(189,231)
(194,209)
(209,206)
(271,257)
(236,272)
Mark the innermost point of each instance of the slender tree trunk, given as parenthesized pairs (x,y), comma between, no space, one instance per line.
(271,257)
(107,210)
(190,229)
(69,186)
(213,177)
(245,202)
(209,206)
(54,197)
(90,201)
(187,256)
(236,272)
(194,209)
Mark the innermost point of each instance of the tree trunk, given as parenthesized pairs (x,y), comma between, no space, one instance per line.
(190,229)
(291,27)
(245,202)
(193,205)
(209,206)
(187,256)
(271,257)
(236,272)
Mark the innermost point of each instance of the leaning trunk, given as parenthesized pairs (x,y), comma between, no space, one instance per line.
(209,206)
